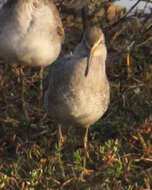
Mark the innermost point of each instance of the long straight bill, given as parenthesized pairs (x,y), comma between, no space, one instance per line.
(89,60)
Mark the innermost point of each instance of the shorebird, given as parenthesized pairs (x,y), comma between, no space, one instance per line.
(78,90)
(31,34)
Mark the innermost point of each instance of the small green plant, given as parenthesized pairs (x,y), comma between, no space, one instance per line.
(109,146)
(3,180)
(128,187)
(58,150)
(58,154)
(33,180)
(116,170)
(78,161)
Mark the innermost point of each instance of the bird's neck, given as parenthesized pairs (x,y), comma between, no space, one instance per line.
(98,58)
(83,51)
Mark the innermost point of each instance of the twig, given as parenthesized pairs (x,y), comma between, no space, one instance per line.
(11,121)
(143,159)
(130,46)
(150,28)
(55,181)
(144,145)
(67,182)
(147,171)
(124,17)
(144,42)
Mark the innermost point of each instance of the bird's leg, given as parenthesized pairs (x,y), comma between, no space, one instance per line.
(86,154)
(41,82)
(61,137)
(63,133)
(22,92)
(85,141)
(60,143)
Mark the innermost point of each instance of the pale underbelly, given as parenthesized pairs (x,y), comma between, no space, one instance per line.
(37,52)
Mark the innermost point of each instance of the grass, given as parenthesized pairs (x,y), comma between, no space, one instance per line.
(120,144)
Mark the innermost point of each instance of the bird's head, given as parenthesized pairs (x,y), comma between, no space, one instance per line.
(92,38)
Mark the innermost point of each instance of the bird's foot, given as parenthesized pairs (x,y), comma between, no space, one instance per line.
(62,139)
(87,171)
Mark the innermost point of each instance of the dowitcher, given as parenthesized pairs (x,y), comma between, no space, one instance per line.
(31,33)
(78,91)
